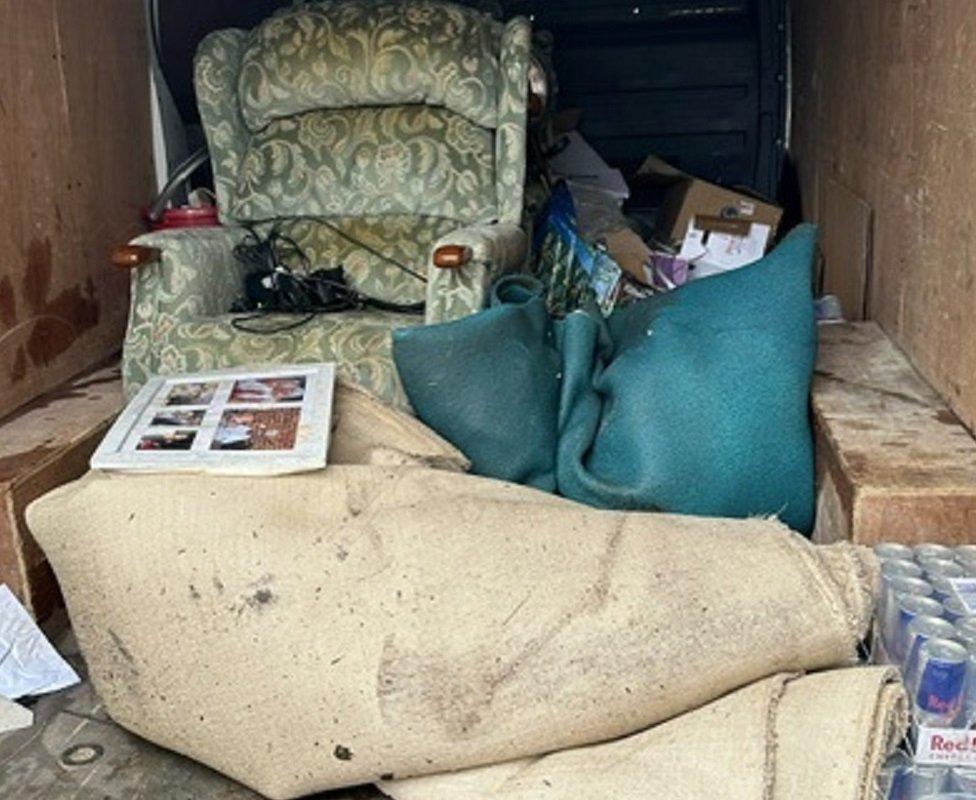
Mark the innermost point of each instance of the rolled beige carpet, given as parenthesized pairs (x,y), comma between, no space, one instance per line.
(821,737)
(325,629)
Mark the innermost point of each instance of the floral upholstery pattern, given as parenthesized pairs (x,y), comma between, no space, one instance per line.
(178,321)
(407,239)
(391,160)
(359,341)
(376,130)
(371,53)
(197,277)
(510,142)
(215,71)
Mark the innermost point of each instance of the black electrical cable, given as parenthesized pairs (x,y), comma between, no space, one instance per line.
(273,286)
(322,220)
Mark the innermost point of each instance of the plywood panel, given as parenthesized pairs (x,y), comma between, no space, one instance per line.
(885,103)
(845,241)
(75,167)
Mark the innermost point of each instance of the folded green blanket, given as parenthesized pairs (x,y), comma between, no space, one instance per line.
(695,401)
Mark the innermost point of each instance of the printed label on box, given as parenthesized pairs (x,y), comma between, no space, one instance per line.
(965,589)
(950,746)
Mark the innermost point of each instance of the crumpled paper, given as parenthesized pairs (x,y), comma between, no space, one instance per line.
(29,664)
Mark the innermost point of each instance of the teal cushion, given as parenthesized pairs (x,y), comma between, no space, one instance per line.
(692,402)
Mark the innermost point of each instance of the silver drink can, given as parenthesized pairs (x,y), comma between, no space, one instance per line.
(913,781)
(932,550)
(909,606)
(888,615)
(964,552)
(899,566)
(940,682)
(969,699)
(953,609)
(889,550)
(968,565)
(942,566)
(920,630)
(966,629)
(941,587)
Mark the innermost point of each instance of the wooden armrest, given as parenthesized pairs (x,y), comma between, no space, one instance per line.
(131,256)
(451,256)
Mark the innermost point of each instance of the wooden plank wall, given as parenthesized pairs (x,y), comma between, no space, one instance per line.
(75,168)
(885,106)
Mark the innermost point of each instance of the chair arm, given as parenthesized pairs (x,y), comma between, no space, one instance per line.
(190,272)
(185,273)
(474,258)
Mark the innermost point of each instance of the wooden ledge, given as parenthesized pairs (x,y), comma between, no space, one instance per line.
(893,461)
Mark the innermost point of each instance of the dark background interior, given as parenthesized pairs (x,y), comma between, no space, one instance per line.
(701,83)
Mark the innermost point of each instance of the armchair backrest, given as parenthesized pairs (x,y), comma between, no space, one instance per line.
(353,107)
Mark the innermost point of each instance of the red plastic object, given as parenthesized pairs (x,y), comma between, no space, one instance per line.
(186,217)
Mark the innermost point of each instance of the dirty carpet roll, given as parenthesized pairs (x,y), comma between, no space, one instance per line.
(326,629)
(820,737)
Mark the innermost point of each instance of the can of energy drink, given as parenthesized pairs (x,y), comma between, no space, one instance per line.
(941,587)
(899,566)
(933,550)
(969,694)
(964,552)
(953,609)
(966,630)
(965,555)
(913,781)
(941,566)
(920,630)
(909,606)
(886,551)
(940,682)
(888,614)
(968,564)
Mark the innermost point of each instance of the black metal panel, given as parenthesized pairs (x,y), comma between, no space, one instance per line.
(697,82)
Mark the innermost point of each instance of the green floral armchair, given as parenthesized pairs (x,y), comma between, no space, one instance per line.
(403,124)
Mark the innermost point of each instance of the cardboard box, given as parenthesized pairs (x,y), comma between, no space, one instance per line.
(687,197)
(718,244)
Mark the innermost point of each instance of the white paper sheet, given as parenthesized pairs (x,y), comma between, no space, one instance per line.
(13,717)
(578,162)
(29,664)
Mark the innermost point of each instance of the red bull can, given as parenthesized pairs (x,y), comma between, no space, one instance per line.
(967,561)
(940,682)
(953,609)
(913,781)
(909,606)
(888,612)
(966,629)
(964,552)
(885,551)
(969,695)
(920,630)
(933,550)
(899,566)
(969,567)
(941,587)
(942,566)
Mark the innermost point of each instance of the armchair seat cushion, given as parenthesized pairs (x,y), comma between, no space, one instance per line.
(406,238)
(359,341)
